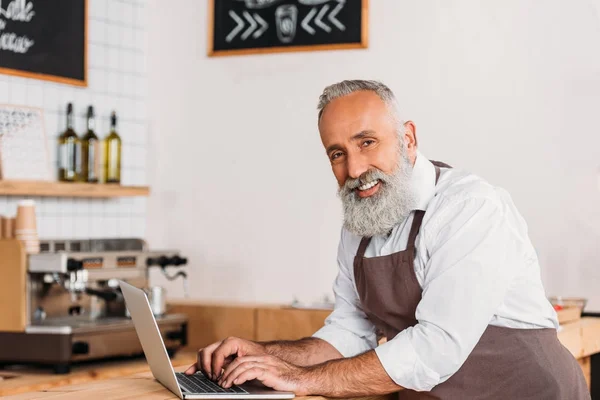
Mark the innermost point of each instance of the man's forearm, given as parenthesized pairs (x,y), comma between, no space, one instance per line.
(303,352)
(362,375)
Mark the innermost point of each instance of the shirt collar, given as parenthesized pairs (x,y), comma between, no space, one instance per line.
(423,181)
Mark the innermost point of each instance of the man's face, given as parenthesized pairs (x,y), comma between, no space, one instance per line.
(359,134)
(372,167)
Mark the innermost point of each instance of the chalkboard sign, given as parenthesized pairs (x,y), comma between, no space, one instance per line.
(44,39)
(265,26)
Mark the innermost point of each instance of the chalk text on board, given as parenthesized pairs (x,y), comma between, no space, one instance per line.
(14,43)
(17,10)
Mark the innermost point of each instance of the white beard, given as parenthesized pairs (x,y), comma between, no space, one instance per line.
(378,214)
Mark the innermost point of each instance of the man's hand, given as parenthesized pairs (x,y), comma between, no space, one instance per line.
(212,359)
(270,370)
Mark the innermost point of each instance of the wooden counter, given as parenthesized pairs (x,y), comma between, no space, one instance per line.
(22,379)
(133,387)
(211,322)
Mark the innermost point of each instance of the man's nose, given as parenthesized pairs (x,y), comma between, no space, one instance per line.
(357,166)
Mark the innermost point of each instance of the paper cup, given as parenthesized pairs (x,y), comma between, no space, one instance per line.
(26,220)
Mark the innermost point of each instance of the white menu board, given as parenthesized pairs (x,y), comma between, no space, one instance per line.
(23,147)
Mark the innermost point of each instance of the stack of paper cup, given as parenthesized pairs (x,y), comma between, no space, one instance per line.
(26,226)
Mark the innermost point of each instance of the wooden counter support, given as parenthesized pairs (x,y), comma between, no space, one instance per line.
(13,286)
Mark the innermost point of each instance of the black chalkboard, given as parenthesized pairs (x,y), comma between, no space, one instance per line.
(264,26)
(44,39)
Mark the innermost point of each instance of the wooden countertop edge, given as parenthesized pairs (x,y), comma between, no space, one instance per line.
(32,382)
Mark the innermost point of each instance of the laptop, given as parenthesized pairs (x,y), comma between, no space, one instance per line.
(196,386)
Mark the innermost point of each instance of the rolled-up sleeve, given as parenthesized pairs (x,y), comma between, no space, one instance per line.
(472,248)
(347,327)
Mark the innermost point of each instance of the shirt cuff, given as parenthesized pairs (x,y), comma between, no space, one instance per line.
(346,342)
(403,365)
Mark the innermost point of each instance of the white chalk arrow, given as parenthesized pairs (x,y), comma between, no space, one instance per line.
(320,23)
(237,29)
(304,24)
(335,11)
(252,26)
(263,27)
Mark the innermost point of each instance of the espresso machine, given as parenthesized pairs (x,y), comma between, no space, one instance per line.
(75,310)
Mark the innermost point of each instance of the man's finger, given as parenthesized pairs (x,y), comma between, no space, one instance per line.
(254,372)
(204,358)
(236,364)
(228,348)
(191,370)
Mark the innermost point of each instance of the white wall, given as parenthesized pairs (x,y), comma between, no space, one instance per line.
(509,90)
(116,81)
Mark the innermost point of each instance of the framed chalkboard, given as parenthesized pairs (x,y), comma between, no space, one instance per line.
(266,26)
(44,39)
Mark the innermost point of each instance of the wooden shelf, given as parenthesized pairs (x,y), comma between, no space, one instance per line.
(66,189)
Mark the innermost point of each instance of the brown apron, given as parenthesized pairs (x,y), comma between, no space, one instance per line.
(505,364)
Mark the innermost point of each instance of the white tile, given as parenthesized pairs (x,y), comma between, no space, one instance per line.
(18,93)
(129,38)
(127,16)
(128,109)
(139,61)
(113,81)
(114,37)
(35,95)
(114,58)
(138,227)
(103,102)
(96,229)
(3,203)
(3,92)
(50,98)
(127,61)
(47,228)
(129,86)
(97,9)
(97,56)
(115,11)
(54,124)
(97,80)
(125,227)
(97,31)
(83,98)
(139,206)
(81,228)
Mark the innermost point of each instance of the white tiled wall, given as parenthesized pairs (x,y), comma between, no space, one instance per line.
(116,81)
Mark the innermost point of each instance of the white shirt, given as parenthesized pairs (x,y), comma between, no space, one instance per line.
(475,264)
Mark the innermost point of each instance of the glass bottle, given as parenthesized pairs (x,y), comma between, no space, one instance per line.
(69,148)
(90,151)
(112,153)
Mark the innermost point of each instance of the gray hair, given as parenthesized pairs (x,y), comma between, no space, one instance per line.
(347,87)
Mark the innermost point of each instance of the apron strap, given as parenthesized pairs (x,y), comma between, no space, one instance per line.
(364,243)
(419,214)
(417,219)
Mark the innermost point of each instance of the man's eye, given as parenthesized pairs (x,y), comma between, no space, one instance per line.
(335,155)
(368,143)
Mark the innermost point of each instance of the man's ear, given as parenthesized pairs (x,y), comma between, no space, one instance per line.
(410,140)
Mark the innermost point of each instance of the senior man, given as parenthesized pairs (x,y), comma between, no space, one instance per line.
(433,259)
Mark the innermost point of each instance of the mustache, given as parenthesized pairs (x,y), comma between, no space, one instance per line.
(368,176)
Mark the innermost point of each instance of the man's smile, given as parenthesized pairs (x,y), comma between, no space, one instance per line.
(368,189)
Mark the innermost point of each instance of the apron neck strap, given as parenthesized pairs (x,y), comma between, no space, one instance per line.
(414,229)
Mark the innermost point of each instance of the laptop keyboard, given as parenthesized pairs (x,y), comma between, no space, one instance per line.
(199,383)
